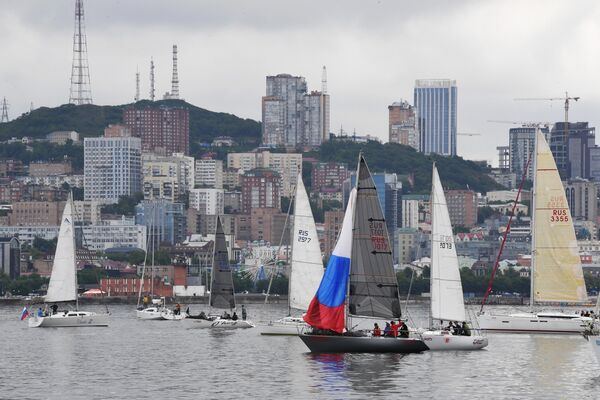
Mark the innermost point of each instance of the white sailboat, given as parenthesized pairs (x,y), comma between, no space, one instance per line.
(306,268)
(556,274)
(222,293)
(63,282)
(447,299)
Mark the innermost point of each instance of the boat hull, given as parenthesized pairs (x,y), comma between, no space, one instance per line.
(149,315)
(288,326)
(444,341)
(69,320)
(361,344)
(219,323)
(555,323)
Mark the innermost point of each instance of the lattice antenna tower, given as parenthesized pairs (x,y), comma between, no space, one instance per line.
(152,79)
(324,81)
(81,89)
(4,115)
(175,79)
(137,86)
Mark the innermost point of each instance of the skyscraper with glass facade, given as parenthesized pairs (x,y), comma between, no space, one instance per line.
(435,100)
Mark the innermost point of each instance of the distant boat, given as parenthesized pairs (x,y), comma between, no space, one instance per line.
(556,274)
(221,288)
(63,283)
(447,299)
(359,285)
(306,268)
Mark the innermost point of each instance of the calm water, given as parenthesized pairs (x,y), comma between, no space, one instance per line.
(164,359)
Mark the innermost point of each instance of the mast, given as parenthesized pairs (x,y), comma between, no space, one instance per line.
(532,223)
(347,307)
(431,241)
(291,229)
(75,251)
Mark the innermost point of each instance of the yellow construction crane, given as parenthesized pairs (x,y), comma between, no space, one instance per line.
(566,99)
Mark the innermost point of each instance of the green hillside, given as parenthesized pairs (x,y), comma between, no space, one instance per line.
(90,120)
(455,172)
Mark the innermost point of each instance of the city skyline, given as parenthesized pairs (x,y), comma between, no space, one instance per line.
(373,51)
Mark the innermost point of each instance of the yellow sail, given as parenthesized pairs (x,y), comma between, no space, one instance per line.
(558,276)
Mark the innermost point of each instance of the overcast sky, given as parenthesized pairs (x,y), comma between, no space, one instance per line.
(373,50)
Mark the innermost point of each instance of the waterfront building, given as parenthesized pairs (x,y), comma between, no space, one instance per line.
(402,124)
(436,104)
(118,233)
(112,168)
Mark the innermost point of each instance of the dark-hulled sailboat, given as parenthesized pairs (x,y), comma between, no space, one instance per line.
(359,285)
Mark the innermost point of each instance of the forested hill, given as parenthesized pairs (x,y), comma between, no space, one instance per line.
(455,172)
(90,120)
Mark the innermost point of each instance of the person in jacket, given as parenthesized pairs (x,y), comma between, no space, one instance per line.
(376,330)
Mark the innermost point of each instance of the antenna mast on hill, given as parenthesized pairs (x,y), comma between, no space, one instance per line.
(4,115)
(81,90)
(151,79)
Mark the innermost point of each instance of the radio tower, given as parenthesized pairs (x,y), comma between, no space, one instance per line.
(81,90)
(151,79)
(324,81)
(137,86)
(175,79)
(4,116)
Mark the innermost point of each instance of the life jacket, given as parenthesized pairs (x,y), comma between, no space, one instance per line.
(395,330)
(377,332)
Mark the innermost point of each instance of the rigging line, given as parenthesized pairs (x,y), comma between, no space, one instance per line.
(512,214)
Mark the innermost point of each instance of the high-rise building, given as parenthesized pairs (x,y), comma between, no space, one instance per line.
(462,207)
(328,175)
(581,139)
(316,119)
(208,201)
(415,210)
(521,143)
(209,173)
(283,109)
(403,124)
(332,227)
(167,177)
(163,130)
(582,199)
(112,168)
(10,258)
(260,189)
(436,103)
(165,221)
(503,157)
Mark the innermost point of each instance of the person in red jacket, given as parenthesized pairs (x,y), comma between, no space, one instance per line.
(376,330)
(394,329)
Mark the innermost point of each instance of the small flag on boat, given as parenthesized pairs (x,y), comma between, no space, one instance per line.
(24,314)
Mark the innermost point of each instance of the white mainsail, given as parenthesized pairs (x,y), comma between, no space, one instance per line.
(557,273)
(63,280)
(446,289)
(307,262)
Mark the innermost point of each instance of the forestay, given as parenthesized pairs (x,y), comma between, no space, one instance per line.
(556,264)
(373,285)
(307,263)
(63,280)
(446,289)
(221,293)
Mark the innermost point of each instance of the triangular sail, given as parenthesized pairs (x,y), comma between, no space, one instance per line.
(221,288)
(446,289)
(373,284)
(307,263)
(63,280)
(558,276)
(327,308)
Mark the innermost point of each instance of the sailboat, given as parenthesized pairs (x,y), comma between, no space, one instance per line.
(306,268)
(359,285)
(556,274)
(221,287)
(447,299)
(63,282)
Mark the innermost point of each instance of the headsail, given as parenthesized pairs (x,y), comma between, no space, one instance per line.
(558,276)
(327,308)
(373,284)
(63,280)
(447,301)
(307,263)
(221,288)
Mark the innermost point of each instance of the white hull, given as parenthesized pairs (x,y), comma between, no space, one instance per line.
(158,314)
(442,340)
(595,343)
(534,323)
(219,323)
(69,320)
(288,326)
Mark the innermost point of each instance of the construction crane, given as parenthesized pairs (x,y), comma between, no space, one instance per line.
(468,134)
(524,124)
(566,99)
